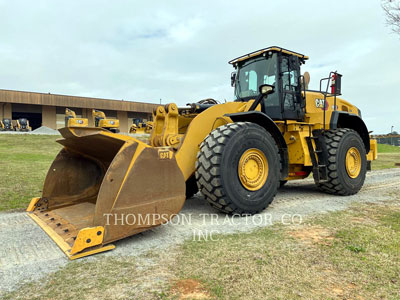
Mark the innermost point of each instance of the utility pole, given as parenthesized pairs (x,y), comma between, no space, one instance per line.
(160,100)
(391,135)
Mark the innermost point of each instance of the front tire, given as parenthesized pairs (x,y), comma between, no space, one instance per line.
(238,168)
(347,162)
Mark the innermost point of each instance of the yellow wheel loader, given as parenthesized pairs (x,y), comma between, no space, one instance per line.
(6,125)
(72,121)
(236,154)
(22,124)
(100,120)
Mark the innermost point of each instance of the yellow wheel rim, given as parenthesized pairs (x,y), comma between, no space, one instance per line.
(253,169)
(353,162)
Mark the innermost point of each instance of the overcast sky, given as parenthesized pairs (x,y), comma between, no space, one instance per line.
(178,50)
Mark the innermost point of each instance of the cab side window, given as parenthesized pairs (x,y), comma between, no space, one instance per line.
(271,78)
(290,83)
(252,81)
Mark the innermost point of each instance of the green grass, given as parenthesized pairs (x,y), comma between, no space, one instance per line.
(24,161)
(353,254)
(99,279)
(386,161)
(383,148)
(387,157)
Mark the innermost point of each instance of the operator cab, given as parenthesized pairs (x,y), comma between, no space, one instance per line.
(277,67)
(97,118)
(7,123)
(23,122)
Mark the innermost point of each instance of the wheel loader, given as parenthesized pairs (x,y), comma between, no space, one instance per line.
(22,124)
(100,120)
(103,186)
(71,120)
(6,125)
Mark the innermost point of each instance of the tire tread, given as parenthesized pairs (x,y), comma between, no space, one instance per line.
(333,184)
(208,168)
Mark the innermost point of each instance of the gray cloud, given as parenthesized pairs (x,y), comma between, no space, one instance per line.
(178,50)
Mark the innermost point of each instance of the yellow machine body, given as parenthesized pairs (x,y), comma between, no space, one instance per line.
(100,120)
(104,186)
(71,120)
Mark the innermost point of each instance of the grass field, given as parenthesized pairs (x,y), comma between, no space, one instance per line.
(387,157)
(25,159)
(383,148)
(345,255)
(353,254)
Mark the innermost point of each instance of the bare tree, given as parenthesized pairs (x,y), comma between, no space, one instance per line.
(392,11)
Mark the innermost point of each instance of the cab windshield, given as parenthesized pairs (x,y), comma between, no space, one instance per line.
(252,74)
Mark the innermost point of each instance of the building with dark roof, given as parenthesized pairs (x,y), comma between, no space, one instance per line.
(49,109)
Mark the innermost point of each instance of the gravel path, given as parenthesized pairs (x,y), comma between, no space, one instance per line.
(43,130)
(27,253)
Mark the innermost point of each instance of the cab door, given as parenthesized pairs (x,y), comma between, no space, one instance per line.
(292,102)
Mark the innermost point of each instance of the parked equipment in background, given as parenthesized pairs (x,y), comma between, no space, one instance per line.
(135,129)
(72,121)
(100,120)
(6,125)
(149,127)
(141,127)
(103,187)
(22,124)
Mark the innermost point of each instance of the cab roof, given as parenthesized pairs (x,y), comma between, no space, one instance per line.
(269,49)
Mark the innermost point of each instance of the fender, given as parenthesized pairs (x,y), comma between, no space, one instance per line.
(342,119)
(266,122)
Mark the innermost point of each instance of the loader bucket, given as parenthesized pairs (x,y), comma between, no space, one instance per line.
(103,187)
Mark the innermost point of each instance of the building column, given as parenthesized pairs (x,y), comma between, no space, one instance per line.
(87,113)
(7,111)
(49,116)
(122,116)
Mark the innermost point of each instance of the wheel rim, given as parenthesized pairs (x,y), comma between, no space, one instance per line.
(353,162)
(253,169)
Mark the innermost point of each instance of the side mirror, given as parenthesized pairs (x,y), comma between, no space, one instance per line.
(266,89)
(233,78)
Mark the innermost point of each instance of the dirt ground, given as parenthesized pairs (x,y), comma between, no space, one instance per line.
(27,253)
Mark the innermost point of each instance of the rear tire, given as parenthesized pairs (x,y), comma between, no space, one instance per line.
(347,162)
(224,154)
